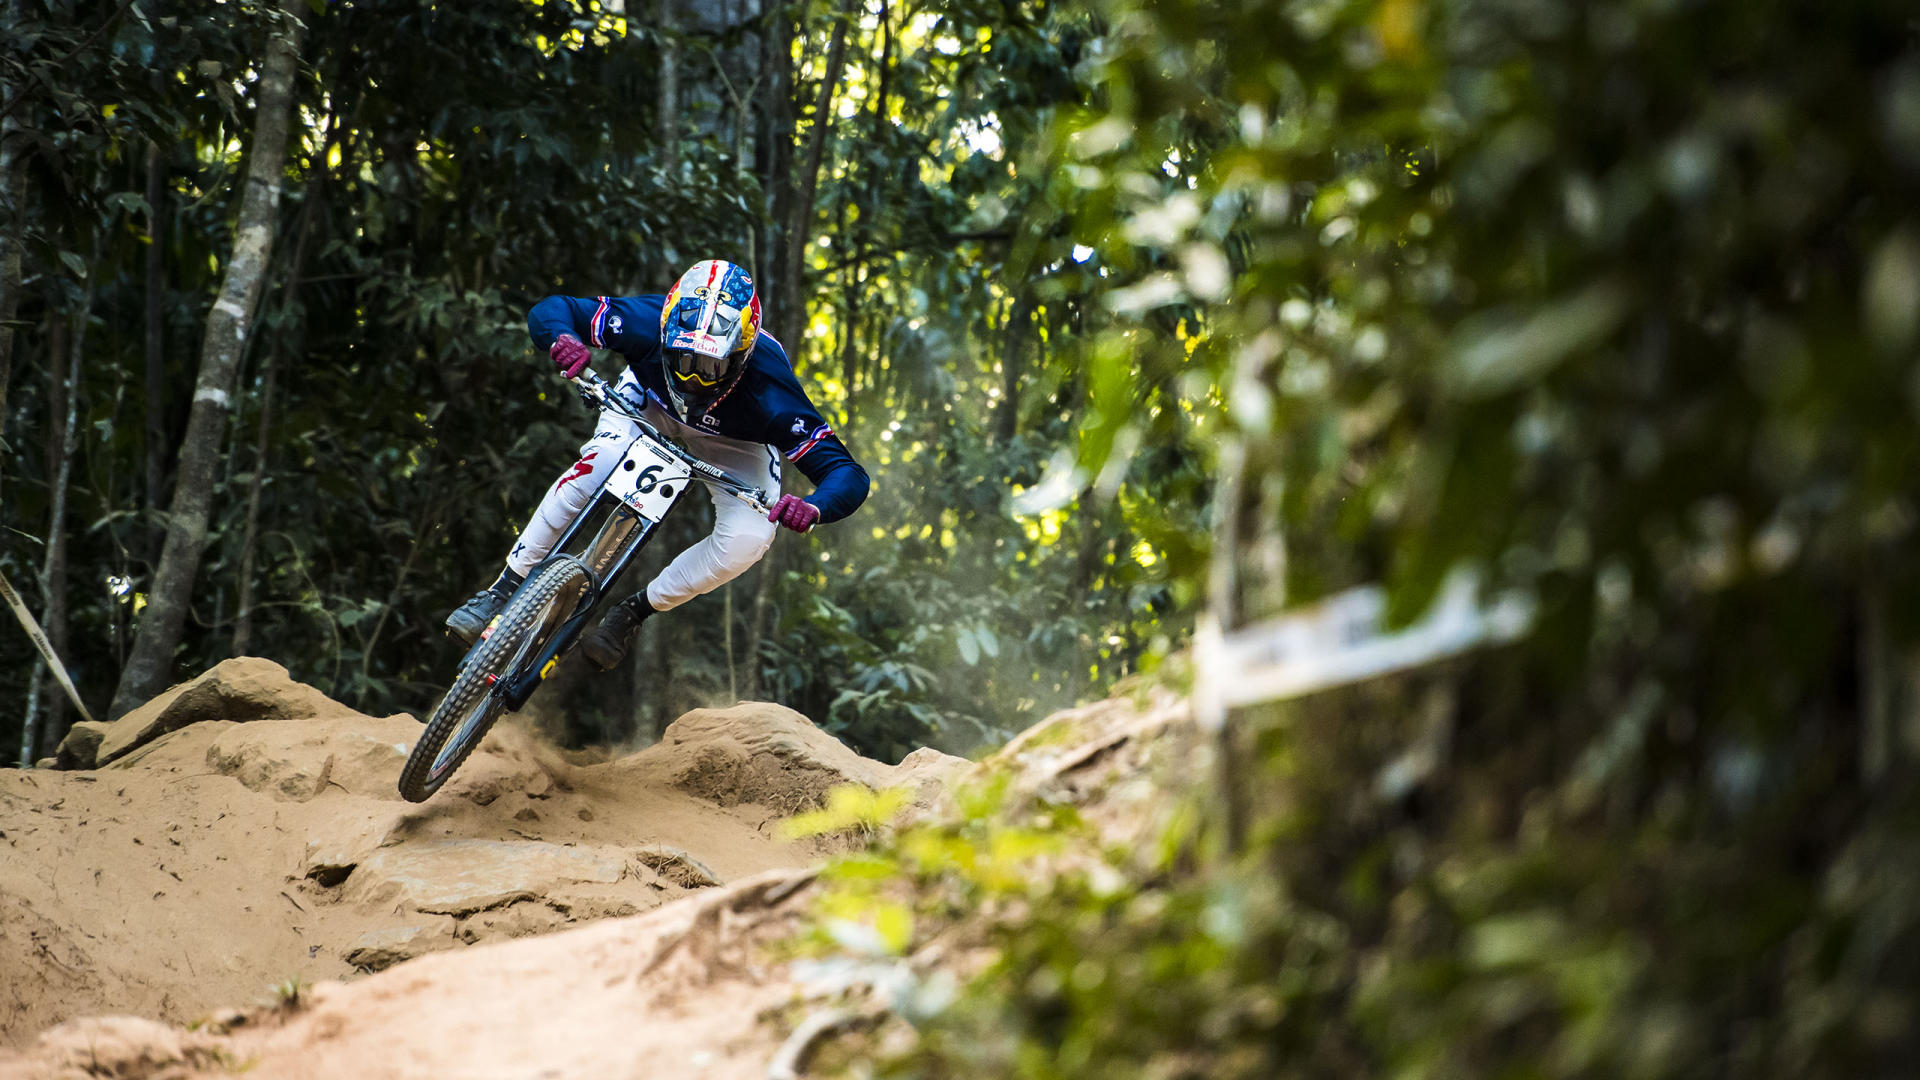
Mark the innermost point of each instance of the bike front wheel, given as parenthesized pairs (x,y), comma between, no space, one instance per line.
(476,698)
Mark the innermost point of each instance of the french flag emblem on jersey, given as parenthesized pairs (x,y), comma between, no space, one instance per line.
(598,324)
(811,441)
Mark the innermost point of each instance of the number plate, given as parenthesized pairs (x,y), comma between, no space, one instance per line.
(647,479)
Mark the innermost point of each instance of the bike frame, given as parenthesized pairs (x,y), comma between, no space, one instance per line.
(652,477)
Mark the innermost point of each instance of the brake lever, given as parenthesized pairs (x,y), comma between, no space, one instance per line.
(591,388)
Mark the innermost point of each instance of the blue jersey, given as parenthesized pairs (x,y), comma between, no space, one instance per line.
(767,405)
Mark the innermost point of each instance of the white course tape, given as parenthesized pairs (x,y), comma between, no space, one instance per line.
(1343,640)
(40,642)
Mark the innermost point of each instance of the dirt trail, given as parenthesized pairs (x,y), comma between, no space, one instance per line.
(246,832)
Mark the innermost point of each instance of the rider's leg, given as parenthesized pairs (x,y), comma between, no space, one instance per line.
(572,492)
(740,536)
(569,495)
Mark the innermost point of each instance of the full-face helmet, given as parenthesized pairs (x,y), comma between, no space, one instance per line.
(707,329)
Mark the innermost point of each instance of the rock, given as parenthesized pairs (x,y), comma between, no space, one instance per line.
(676,866)
(333,855)
(367,760)
(242,689)
(929,770)
(81,746)
(758,753)
(376,950)
(516,920)
(510,760)
(931,776)
(45,762)
(583,906)
(123,1046)
(222,1021)
(774,757)
(274,770)
(458,877)
(136,758)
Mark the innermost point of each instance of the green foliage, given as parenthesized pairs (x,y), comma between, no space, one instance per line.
(926,874)
(850,807)
(950,611)
(1558,955)
(290,993)
(450,166)
(1613,301)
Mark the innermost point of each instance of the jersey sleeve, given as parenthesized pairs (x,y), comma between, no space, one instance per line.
(840,485)
(796,429)
(622,323)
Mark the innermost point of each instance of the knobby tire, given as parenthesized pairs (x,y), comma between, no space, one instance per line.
(470,707)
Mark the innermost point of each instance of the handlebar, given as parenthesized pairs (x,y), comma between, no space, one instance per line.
(600,394)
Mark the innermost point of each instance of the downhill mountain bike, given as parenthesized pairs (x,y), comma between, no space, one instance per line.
(552,607)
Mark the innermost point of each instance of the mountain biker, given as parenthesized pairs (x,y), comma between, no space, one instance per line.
(701,367)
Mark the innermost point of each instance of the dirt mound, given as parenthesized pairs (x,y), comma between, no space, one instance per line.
(701,986)
(238,690)
(771,756)
(674,992)
(119,1046)
(244,831)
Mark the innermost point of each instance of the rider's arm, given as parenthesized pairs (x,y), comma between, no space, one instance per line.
(625,323)
(839,483)
(796,429)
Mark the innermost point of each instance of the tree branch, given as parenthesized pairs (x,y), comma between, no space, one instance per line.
(23,95)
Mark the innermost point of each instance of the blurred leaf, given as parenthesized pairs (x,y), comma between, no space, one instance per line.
(1498,351)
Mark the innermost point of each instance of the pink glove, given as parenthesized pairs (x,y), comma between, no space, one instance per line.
(569,355)
(795,513)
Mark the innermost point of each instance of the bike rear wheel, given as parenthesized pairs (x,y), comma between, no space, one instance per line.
(475,700)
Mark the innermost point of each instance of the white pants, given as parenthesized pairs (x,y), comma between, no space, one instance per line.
(740,534)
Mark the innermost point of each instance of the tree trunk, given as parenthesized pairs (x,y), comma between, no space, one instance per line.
(800,218)
(648,698)
(249,537)
(13,183)
(433,512)
(150,666)
(849,346)
(752,56)
(9,293)
(63,367)
(770,566)
(789,295)
(857,275)
(54,339)
(669,119)
(156,403)
(62,443)
(1013,368)
(776,156)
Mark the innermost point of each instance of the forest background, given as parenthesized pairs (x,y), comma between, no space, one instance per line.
(390,427)
(1150,319)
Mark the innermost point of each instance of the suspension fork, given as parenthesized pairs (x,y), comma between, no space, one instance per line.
(614,548)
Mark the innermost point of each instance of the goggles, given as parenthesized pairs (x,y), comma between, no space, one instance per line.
(698,374)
